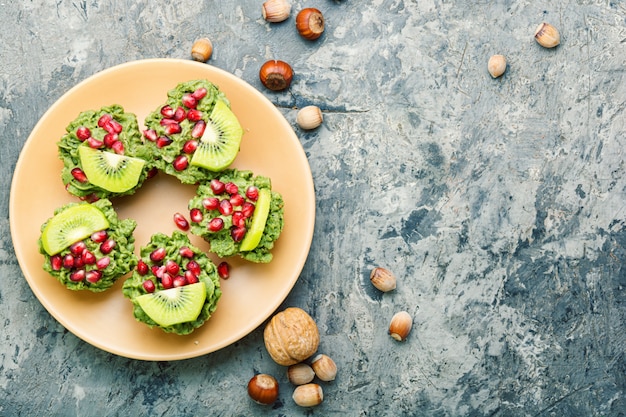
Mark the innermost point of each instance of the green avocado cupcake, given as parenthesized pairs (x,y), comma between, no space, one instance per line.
(195,134)
(86,246)
(175,286)
(103,154)
(238,214)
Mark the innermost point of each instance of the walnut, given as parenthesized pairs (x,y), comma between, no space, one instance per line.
(291,336)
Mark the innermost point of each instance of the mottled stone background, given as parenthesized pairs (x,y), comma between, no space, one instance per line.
(499,204)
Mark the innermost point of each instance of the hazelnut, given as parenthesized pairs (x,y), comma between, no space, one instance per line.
(276,10)
(400,326)
(300,373)
(308,395)
(309,117)
(310,23)
(547,35)
(201,50)
(383,279)
(325,368)
(263,389)
(276,75)
(291,336)
(496,65)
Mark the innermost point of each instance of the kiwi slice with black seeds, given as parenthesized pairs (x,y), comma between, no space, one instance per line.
(219,145)
(110,171)
(174,305)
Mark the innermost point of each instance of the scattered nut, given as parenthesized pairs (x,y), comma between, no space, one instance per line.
(291,336)
(309,117)
(276,75)
(325,368)
(496,65)
(201,50)
(276,10)
(263,389)
(383,279)
(400,326)
(308,395)
(300,373)
(310,23)
(547,35)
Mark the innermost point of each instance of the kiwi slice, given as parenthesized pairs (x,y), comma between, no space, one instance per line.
(110,171)
(71,225)
(259,218)
(175,305)
(219,145)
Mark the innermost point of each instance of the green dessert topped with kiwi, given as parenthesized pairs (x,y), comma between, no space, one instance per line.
(86,246)
(175,286)
(195,134)
(103,154)
(238,214)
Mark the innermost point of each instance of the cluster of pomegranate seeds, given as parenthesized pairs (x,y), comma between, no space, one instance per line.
(168,273)
(171,123)
(82,263)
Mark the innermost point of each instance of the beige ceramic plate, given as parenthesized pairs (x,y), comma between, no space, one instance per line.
(254,291)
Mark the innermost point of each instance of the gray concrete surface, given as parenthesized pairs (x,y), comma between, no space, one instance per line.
(498,203)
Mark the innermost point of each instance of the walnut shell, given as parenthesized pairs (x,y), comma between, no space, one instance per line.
(291,336)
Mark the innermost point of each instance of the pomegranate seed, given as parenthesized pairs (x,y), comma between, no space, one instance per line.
(148,285)
(173,128)
(186,252)
(216,224)
(93,276)
(79,175)
(191,277)
(247,209)
(78,248)
(172,267)
(107,246)
(88,258)
(223,270)
(104,119)
(225,208)
(194,267)
(199,94)
(102,263)
(239,219)
(252,193)
(113,127)
(211,203)
(167,122)
(180,163)
(78,275)
(78,262)
(179,281)
(163,141)
(195,214)
(94,143)
(194,115)
(189,101)
(217,186)
(180,114)
(142,268)
(83,133)
(167,111)
(158,271)
(152,172)
(190,146)
(56,262)
(99,236)
(198,129)
(150,134)
(158,254)
(231,188)
(109,139)
(237,200)
(167,281)
(181,221)
(68,261)
(237,233)
(118,147)
(90,198)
